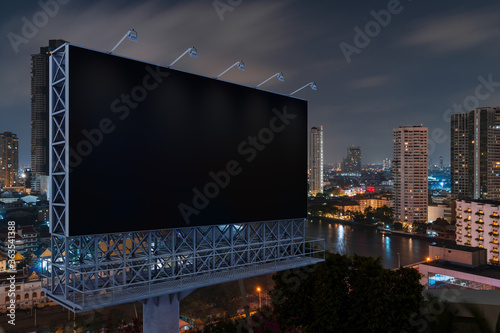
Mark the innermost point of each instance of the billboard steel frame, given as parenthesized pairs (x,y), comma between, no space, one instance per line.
(95,271)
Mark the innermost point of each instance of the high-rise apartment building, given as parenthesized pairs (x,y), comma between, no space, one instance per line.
(9,159)
(410,174)
(40,111)
(475,154)
(352,162)
(478,226)
(316,160)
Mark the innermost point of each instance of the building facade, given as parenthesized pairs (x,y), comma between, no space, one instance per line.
(40,112)
(316,160)
(352,162)
(410,172)
(475,154)
(9,159)
(478,226)
(27,293)
(25,239)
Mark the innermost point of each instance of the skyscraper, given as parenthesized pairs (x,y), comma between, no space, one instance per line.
(386,164)
(316,160)
(40,111)
(9,159)
(410,172)
(352,162)
(475,154)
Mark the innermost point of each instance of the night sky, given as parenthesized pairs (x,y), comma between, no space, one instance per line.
(418,63)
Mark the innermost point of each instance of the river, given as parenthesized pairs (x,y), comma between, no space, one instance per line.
(367,241)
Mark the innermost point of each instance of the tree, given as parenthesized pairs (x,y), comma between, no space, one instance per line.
(347,294)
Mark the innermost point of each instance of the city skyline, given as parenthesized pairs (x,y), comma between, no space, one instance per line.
(419,62)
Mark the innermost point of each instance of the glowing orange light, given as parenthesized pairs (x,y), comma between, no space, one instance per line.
(258,289)
(428,259)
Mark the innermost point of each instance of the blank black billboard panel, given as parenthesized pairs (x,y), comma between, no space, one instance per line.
(154,148)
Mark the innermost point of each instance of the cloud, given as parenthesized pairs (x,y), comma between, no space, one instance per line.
(455,32)
(368,82)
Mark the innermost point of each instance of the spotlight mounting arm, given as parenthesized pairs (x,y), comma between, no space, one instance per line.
(279,75)
(312,84)
(131,34)
(240,64)
(192,52)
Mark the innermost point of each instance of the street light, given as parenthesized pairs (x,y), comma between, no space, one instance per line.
(312,84)
(192,52)
(131,34)
(240,64)
(278,75)
(259,290)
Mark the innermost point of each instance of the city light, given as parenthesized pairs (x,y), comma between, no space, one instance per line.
(260,303)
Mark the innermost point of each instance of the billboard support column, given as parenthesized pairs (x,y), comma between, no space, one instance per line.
(161,314)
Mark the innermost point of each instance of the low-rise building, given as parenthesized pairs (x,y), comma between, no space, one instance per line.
(435,212)
(25,238)
(459,267)
(374,203)
(25,290)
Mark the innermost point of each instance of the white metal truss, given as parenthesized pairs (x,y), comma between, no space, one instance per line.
(95,271)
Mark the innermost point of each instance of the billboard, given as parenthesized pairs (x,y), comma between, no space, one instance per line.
(152,147)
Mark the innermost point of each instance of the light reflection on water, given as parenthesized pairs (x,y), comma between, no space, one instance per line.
(367,241)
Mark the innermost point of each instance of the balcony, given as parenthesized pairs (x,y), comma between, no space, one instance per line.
(467,227)
(468,243)
(494,241)
(459,240)
(468,218)
(479,222)
(459,232)
(468,210)
(468,236)
(494,261)
(479,230)
(459,208)
(479,239)
(494,215)
(480,213)
(494,225)
(459,224)
(459,216)
(494,251)
(493,233)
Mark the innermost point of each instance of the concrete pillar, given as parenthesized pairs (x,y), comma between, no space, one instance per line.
(161,314)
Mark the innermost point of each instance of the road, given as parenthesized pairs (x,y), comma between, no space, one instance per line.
(57,315)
